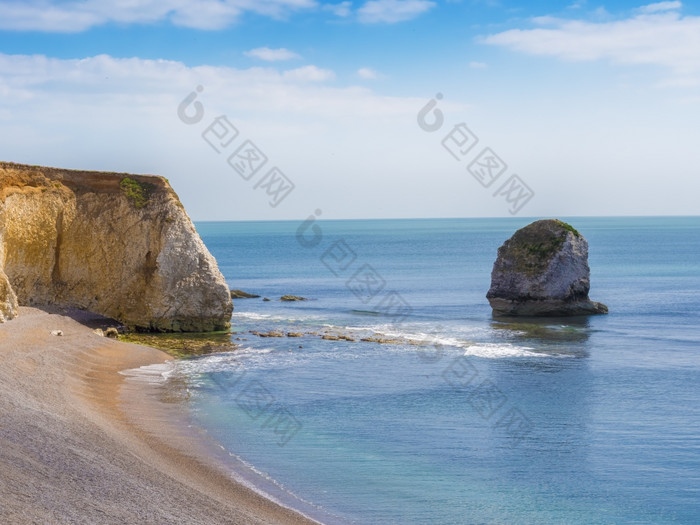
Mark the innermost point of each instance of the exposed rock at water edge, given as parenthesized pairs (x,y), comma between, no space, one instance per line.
(542,270)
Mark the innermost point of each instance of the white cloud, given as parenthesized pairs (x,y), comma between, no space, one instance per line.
(271,55)
(346,148)
(36,17)
(40,82)
(206,15)
(392,11)
(119,114)
(81,15)
(367,73)
(343,9)
(660,6)
(309,74)
(477,65)
(660,38)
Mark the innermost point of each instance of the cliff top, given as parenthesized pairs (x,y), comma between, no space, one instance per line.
(78,181)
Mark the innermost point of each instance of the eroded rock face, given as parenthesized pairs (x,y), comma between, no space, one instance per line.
(8,299)
(542,270)
(115,244)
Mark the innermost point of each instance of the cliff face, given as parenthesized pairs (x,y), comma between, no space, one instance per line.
(542,270)
(119,245)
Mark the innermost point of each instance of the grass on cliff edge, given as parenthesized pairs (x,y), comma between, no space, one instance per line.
(137,192)
(568,227)
(183,345)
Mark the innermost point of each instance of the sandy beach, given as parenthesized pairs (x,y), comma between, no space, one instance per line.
(80,445)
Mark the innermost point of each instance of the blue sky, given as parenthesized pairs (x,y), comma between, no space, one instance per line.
(590,108)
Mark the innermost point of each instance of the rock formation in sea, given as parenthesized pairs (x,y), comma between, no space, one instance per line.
(115,244)
(542,270)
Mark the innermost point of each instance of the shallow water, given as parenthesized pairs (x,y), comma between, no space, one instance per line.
(591,420)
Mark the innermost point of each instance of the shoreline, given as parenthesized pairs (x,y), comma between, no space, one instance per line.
(80,443)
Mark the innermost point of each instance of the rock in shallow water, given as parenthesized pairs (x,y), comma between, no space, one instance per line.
(542,270)
(240,294)
(292,298)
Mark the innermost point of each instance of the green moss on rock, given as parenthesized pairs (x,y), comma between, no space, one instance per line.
(533,246)
(184,345)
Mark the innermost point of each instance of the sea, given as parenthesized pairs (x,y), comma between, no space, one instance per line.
(444,414)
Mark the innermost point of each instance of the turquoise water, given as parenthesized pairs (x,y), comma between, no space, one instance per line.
(592,420)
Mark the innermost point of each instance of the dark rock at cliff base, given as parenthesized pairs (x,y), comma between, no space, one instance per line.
(542,270)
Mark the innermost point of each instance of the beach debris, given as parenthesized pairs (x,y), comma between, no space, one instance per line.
(99,332)
(240,294)
(57,332)
(542,270)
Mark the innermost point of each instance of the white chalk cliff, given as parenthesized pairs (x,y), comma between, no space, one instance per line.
(115,244)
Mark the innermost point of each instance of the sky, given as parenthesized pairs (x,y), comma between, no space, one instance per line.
(282,109)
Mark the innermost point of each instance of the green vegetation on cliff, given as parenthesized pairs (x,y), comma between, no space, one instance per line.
(137,192)
(568,227)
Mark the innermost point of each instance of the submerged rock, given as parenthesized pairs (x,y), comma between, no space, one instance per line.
(542,270)
(292,298)
(114,244)
(271,333)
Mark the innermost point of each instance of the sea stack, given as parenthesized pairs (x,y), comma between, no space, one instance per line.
(115,244)
(542,271)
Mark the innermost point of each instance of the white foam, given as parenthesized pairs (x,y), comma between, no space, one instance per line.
(500,351)
(255,316)
(157,373)
(223,362)
(417,335)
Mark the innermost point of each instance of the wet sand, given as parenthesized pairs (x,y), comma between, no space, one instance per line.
(79,443)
